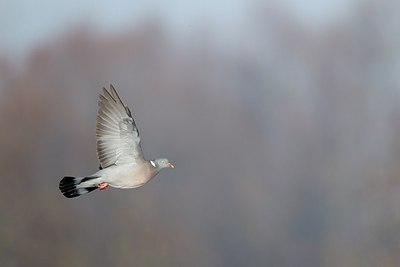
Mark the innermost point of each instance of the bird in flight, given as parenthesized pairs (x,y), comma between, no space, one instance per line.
(122,164)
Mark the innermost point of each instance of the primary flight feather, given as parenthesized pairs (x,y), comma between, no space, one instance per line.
(122,164)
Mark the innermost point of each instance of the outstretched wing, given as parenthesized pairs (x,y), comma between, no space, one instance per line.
(117,137)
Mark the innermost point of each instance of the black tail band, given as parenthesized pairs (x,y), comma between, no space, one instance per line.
(68,186)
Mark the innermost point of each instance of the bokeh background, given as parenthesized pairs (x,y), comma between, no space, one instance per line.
(282,118)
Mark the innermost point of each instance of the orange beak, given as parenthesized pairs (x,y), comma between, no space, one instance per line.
(170,166)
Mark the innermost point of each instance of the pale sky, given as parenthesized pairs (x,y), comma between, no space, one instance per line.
(25,24)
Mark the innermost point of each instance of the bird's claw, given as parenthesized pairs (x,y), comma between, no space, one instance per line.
(103,186)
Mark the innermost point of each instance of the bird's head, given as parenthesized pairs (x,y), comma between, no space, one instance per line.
(161,164)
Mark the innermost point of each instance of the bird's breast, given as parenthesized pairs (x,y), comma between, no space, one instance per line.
(129,176)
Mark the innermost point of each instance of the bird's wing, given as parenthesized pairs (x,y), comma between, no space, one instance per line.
(117,137)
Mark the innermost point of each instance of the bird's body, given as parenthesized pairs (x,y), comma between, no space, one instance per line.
(124,176)
(122,164)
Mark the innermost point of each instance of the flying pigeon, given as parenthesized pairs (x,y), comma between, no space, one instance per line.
(122,164)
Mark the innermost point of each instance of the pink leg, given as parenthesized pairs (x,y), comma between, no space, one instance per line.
(103,186)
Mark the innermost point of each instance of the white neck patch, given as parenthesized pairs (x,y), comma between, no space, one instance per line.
(152,163)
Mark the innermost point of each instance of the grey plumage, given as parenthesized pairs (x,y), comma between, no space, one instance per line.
(119,151)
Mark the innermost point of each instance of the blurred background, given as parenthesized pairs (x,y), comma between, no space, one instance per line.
(281,117)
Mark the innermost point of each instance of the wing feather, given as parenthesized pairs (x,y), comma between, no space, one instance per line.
(117,137)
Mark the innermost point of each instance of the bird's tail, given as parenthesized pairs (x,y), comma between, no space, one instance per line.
(72,186)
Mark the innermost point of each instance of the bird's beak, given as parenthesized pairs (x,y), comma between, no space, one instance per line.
(169,165)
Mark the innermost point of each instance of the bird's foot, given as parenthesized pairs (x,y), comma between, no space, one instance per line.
(103,186)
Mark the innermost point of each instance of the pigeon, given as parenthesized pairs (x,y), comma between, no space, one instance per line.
(122,164)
